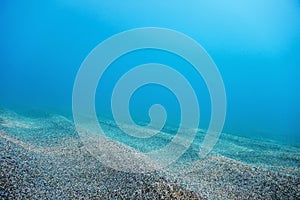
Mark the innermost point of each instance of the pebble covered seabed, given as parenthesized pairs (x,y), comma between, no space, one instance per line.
(42,157)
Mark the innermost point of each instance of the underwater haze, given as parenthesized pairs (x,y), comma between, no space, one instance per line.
(255,45)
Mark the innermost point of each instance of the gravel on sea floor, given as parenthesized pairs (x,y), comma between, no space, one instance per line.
(76,174)
(45,159)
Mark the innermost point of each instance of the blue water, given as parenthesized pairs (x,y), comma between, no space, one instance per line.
(255,44)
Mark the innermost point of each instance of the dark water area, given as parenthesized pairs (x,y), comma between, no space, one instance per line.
(255,45)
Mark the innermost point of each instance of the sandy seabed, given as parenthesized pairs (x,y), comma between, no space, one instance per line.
(43,158)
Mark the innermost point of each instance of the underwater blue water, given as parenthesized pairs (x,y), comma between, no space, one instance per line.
(255,44)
